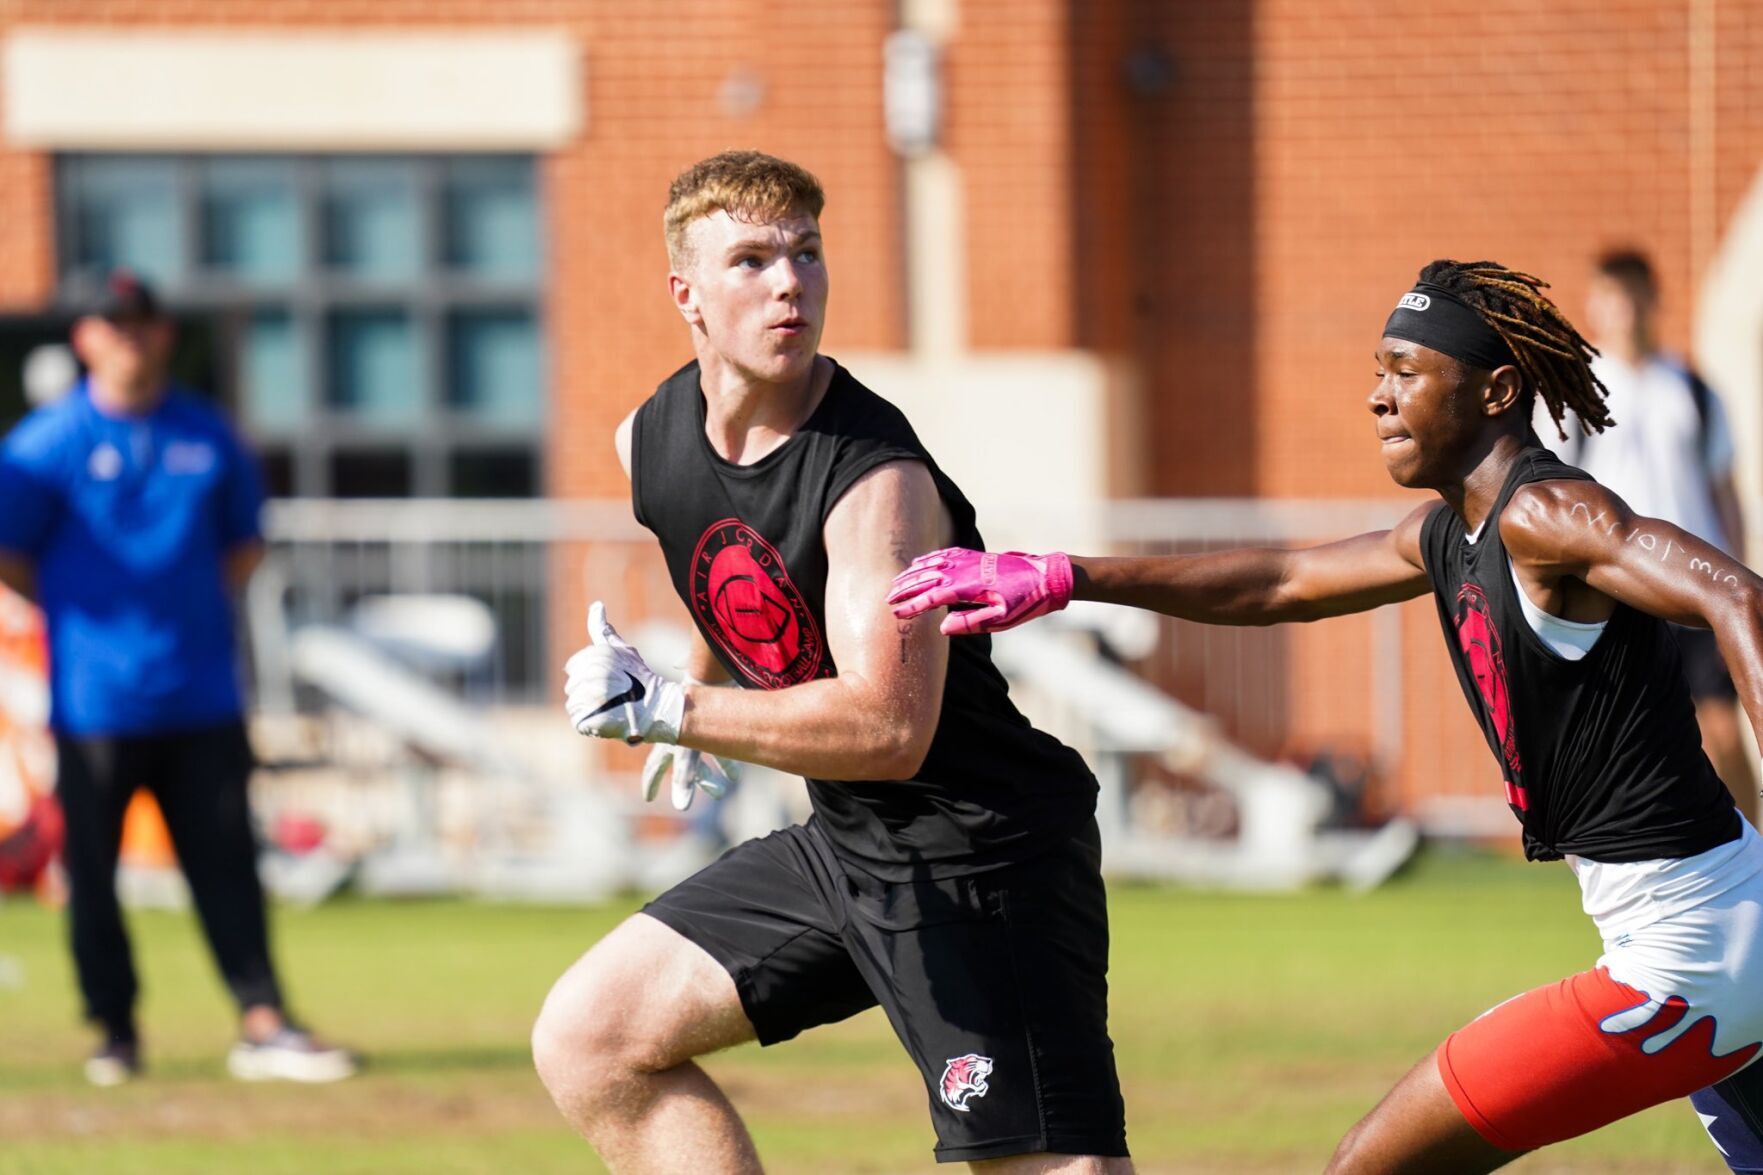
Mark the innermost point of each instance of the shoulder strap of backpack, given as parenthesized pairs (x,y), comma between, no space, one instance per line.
(1699,393)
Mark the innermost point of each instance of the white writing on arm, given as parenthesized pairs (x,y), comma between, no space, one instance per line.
(1650,542)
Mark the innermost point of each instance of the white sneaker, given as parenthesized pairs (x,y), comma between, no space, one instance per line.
(290,1055)
(114,1064)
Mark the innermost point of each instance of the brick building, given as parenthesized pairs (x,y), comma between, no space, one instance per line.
(1146,256)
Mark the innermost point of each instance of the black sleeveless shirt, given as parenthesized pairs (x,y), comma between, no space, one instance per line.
(1602,757)
(744,547)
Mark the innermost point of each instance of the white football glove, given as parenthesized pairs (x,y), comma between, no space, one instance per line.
(691,770)
(610,691)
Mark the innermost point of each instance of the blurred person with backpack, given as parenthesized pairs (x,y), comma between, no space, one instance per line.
(1670,456)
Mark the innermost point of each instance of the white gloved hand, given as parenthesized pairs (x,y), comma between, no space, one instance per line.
(610,691)
(690,770)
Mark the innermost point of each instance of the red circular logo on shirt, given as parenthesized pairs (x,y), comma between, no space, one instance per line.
(743,597)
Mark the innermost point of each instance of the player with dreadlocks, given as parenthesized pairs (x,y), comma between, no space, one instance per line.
(1554,598)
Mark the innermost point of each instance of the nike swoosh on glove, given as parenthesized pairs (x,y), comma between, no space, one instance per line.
(691,771)
(610,691)
(987,591)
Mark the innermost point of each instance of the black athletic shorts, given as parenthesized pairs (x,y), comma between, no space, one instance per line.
(1703,668)
(996,983)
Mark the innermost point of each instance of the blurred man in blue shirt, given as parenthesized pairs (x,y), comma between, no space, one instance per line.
(130,513)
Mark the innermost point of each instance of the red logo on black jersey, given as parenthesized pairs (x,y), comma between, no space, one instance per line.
(742,594)
(1481,651)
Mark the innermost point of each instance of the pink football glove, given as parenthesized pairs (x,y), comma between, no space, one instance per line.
(1005,589)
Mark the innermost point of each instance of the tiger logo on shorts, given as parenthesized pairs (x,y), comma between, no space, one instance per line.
(963,1078)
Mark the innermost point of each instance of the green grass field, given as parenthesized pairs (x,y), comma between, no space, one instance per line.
(1251,1032)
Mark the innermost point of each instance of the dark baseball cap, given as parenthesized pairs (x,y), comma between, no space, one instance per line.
(119,295)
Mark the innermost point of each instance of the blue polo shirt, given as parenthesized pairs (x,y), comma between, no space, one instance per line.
(127,520)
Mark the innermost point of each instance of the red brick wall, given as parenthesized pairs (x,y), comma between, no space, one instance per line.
(1009,130)
(1311,155)
(27,254)
(1559,131)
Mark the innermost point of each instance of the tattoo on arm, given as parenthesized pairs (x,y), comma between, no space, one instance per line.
(903,547)
(901,551)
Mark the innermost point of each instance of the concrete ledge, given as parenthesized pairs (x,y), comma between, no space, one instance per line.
(281,89)
(1729,346)
(1026,435)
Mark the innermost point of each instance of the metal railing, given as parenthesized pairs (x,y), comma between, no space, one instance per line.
(1374,689)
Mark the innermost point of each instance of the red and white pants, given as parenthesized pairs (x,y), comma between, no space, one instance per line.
(1672,1008)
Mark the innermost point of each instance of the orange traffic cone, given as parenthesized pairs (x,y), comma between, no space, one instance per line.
(145,842)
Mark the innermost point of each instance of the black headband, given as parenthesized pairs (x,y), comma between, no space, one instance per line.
(1435,317)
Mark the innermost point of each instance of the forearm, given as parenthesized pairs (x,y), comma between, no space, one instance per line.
(827,729)
(701,664)
(1224,587)
(1739,633)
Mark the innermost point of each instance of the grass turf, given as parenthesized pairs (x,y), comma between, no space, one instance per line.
(1251,1031)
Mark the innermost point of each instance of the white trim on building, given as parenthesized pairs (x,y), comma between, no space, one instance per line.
(1729,347)
(264,89)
